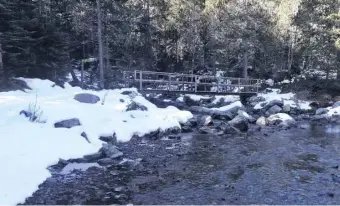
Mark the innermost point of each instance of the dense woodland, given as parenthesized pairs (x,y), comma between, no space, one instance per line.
(256,38)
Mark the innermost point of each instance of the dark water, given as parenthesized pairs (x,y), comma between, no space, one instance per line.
(296,166)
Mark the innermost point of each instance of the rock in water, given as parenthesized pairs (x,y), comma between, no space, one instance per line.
(94,156)
(87,98)
(205,120)
(321,111)
(111,151)
(136,106)
(279,118)
(273,110)
(69,123)
(262,121)
(240,122)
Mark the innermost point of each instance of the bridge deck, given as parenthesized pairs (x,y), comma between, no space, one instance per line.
(161,82)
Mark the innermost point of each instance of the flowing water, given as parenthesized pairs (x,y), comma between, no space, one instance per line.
(295,166)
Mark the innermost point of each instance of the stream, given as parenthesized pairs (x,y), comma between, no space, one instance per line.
(271,166)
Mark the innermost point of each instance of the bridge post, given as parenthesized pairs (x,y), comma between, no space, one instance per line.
(239,85)
(169,87)
(140,81)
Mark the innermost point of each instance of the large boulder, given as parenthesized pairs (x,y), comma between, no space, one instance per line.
(87,98)
(136,106)
(262,121)
(321,111)
(190,102)
(200,110)
(255,100)
(204,120)
(222,115)
(272,103)
(279,118)
(240,122)
(111,151)
(273,110)
(246,116)
(68,123)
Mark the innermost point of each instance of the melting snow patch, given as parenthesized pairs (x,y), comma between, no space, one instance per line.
(78,166)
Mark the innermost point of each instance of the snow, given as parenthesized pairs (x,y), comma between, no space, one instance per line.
(333,111)
(288,98)
(28,148)
(230,106)
(78,166)
(270,82)
(194,97)
(281,116)
(227,98)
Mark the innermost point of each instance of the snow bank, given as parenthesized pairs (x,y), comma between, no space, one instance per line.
(230,106)
(288,98)
(27,149)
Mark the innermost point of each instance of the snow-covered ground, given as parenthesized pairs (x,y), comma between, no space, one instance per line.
(288,98)
(27,149)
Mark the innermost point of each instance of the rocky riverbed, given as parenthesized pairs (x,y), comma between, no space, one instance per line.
(299,165)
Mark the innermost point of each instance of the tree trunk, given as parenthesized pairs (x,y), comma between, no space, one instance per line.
(245,60)
(100,45)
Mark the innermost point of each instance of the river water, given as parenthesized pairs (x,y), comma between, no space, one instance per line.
(295,166)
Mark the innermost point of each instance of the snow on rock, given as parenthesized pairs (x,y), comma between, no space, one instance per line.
(270,82)
(78,166)
(227,98)
(233,106)
(288,99)
(193,97)
(28,148)
(279,118)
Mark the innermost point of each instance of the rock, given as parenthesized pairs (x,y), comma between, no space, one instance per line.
(106,161)
(126,92)
(87,98)
(122,100)
(186,129)
(222,115)
(171,130)
(136,106)
(204,130)
(83,134)
(174,137)
(262,121)
(272,103)
(240,122)
(109,139)
(226,128)
(111,151)
(256,99)
(314,105)
(321,111)
(279,118)
(190,102)
(62,162)
(273,110)
(336,104)
(28,115)
(200,110)
(94,157)
(205,120)
(270,82)
(247,116)
(286,108)
(69,123)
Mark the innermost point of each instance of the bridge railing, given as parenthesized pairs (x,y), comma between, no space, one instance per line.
(162,81)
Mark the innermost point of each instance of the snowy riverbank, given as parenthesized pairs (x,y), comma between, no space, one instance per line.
(28,148)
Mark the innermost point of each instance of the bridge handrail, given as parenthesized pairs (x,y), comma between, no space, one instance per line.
(169,82)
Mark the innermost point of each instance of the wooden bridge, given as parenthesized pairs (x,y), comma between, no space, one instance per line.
(161,82)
